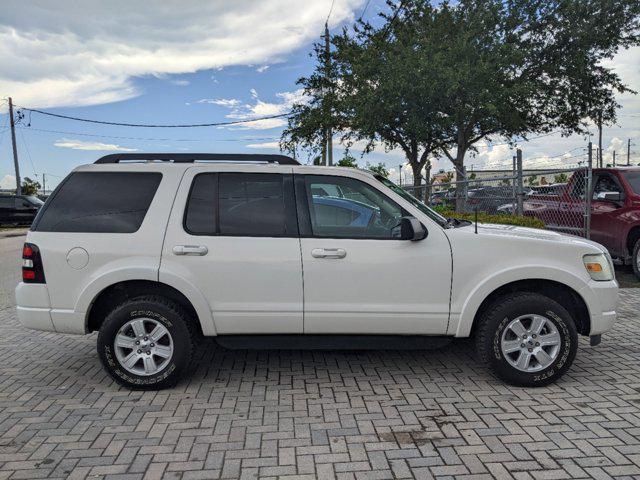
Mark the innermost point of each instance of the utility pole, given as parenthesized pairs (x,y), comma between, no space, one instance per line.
(15,149)
(44,181)
(614,158)
(587,193)
(329,132)
(628,151)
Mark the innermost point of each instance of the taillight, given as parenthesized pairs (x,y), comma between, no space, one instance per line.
(32,270)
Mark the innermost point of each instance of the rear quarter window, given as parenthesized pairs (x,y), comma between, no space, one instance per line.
(99,202)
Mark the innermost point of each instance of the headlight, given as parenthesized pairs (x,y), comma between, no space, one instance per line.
(599,266)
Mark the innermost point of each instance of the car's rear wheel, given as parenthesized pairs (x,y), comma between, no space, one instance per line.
(146,342)
(636,259)
(527,339)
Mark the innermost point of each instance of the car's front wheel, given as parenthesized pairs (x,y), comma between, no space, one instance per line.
(146,343)
(527,339)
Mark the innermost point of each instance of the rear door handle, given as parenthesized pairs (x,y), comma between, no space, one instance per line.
(328,253)
(190,250)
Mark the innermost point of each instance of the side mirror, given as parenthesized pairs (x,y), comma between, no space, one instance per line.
(609,196)
(409,228)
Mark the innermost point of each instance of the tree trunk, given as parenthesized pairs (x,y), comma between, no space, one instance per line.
(461,185)
(427,188)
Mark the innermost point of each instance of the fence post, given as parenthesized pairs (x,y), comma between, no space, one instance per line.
(514,184)
(587,193)
(520,192)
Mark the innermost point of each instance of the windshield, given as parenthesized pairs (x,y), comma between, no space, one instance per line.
(414,201)
(634,180)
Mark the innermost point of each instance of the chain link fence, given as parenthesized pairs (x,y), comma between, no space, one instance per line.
(554,196)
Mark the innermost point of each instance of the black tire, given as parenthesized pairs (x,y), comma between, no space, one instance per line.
(159,309)
(635,259)
(495,320)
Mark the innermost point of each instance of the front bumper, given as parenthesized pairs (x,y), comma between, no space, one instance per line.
(602,301)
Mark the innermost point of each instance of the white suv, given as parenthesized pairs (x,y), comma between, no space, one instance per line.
(156,250)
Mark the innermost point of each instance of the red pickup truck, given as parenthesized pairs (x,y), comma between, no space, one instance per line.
(615,210)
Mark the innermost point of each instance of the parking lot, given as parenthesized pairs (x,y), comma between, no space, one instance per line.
(265,414)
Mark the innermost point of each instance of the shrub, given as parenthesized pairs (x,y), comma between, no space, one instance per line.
(517,220)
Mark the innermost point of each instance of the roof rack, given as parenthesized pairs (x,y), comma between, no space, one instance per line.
(197,157)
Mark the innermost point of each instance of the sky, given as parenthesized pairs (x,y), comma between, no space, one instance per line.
(201,62)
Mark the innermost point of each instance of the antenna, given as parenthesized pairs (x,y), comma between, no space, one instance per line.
(476,218)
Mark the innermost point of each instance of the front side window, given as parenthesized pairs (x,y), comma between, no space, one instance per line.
(360,211)
(633,178)
(606,183)
(99,202)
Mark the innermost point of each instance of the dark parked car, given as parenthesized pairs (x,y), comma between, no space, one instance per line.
(488,199)
(18,209)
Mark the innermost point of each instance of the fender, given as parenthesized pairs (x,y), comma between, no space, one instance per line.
(105,277)
(514,274)
(195,296)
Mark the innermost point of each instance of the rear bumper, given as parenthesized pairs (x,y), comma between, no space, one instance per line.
(35,312)
(36,318)
(602,302)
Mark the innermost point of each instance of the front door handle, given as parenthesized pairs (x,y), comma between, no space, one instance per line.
(328,253)
(190,250)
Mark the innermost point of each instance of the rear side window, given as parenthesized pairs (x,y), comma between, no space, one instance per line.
(201,214)
(241,204)
(100,202)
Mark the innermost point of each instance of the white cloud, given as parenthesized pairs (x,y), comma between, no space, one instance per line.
(63,55)
(258,109)
(8,182)
(262,69)
(181,82)
(97,146)
(223,102)
(269,145)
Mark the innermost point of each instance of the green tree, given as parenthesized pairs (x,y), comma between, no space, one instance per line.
(532,181)
(384,96)
(560,178)
(311,119)
(439,78)
(30,187)
(348,161)
(379,169)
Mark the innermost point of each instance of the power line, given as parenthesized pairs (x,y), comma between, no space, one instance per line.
(330,10)
(364,10)
(24,142)
(556,156)
(524,139)
(193,125)
(393,19)
(84,134)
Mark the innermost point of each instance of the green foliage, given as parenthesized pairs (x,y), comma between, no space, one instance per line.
(517,220)
(379,169)
(30,187)
(560,178)
(348,161)
(532,181)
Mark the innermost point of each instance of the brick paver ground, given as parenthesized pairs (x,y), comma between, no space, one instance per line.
(262,414)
